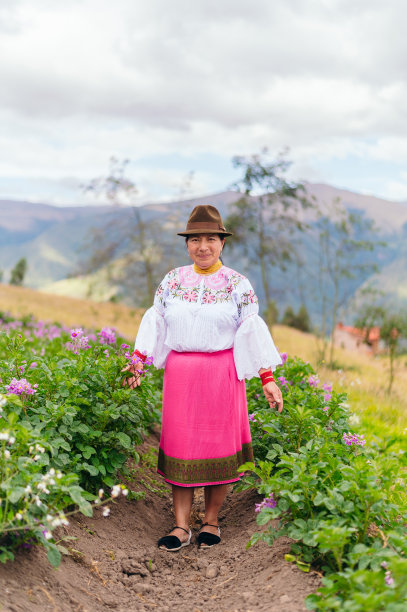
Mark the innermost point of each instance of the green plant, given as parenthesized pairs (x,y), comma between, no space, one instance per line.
(34,497)
(333,496)
(90,421)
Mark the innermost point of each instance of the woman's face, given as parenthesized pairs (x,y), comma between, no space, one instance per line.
(204,249)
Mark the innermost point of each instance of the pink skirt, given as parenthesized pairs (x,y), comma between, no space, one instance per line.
(205,432)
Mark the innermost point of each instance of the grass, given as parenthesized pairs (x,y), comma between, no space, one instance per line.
(363,378)
(20,301)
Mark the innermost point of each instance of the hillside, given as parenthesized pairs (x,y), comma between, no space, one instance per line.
(20,301)
(53,239)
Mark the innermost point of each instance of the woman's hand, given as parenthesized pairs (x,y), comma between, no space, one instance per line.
(273,395)
(133,381)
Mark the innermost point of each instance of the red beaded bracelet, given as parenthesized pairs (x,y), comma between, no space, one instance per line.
(139,355)
(266,377)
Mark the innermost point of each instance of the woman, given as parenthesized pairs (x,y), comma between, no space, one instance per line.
(205,330)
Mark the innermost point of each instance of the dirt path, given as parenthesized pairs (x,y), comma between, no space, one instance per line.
(114,563)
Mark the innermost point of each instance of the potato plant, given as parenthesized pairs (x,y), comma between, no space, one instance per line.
(340,500)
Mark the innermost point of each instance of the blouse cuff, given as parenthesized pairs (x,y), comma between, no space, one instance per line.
(254,348)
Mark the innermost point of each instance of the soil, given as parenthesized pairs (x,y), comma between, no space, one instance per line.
(114,563)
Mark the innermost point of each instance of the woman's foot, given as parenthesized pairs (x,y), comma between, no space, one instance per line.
(208,536)
(175,540)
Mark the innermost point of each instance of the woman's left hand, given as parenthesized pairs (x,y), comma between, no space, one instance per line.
(273,395)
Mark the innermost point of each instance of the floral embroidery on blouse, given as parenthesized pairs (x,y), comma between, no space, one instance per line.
(185,284)
(249,297)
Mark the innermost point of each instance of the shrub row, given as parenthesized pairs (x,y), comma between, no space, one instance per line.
(67,425)
(341,500)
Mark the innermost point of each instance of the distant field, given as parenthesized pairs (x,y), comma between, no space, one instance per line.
(364,378)
(21,301)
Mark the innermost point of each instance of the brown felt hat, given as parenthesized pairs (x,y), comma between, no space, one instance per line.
(205,219)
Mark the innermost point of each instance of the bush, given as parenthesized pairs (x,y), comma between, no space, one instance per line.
(75,398)
(300,321)
(67,425)
(33,496)
(339,501)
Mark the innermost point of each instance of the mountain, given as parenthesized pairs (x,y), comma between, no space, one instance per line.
(53,239)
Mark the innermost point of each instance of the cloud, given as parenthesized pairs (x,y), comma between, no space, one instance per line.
(87,79)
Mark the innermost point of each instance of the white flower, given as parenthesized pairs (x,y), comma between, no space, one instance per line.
(125,492)
(28,489)
(11,440)
(19,516)
(3,401)
(39,448)
(42,487)
(59,475)
(116,491)
(106,511)
(4,435)
(101,493)
(36,457)
(7,454)
(47,535)
(30,450)
(51,472)
(63,519)
(37,500)
(49,517)
(354,419)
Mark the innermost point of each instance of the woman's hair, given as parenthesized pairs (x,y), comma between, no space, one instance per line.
(221,236)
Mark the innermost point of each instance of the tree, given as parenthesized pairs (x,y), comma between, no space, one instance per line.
(128,247)
(393,328)
(18,272)
(299,321)
(288,317)
(269,211)
(343,239)
(303,321)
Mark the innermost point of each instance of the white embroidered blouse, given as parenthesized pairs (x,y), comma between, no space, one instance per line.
(207,313)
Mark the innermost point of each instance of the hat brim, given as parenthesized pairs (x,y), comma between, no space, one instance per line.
(203,231)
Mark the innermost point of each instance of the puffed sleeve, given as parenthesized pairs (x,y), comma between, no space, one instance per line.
(253,347)
(150,340)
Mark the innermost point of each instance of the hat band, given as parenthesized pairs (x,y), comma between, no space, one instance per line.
(204,225)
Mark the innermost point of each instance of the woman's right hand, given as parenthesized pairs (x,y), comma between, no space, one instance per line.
(133,381)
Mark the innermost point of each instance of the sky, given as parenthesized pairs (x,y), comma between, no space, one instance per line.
(181,87)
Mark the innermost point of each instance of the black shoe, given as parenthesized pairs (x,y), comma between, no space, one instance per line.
(171,543)
(208,539)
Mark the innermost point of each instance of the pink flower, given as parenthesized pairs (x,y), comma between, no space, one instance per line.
(208,298)
(188,277)
(190,296)
(217,281)
(313,381)
(20,387)
(107,336)
(252,297)
(351,439)
(76,333)
(172,284)
(283,357)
